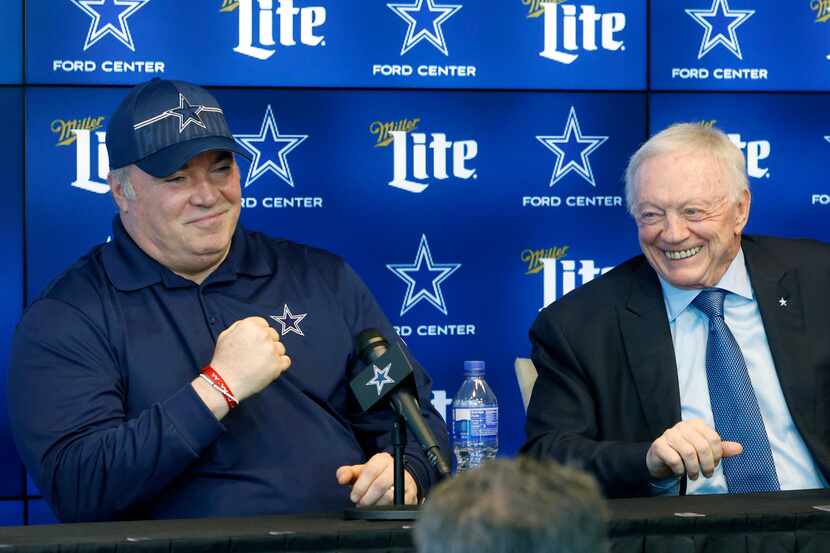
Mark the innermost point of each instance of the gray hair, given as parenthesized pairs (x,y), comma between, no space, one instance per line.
(689,137)
(514,506)
(122,176)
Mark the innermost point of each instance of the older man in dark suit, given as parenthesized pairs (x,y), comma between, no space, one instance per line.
(703,365)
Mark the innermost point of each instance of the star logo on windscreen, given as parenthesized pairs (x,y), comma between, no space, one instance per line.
(423,278)
(381,377)
(572,149)
(109,17)
(424,20)
(289,321)
(269,150)
(726,20)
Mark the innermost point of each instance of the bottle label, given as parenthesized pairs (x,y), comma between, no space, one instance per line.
(480,422)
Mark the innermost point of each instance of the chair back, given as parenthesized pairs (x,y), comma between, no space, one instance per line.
(526,375)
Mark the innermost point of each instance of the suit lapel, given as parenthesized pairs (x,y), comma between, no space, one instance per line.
(785,329)
(648,345)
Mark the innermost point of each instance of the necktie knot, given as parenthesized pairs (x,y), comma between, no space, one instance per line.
(710,302)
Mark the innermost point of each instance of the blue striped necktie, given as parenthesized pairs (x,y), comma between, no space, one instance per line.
(734,405)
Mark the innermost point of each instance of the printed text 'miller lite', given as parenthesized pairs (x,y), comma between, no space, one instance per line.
(609,24)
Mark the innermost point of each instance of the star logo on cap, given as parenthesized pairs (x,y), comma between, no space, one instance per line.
(115,14)
(430,274)
(782,302)
(578,145)
(272,147)
(186,113)
(424,10)
(719,12)
(289,321)
(381,377)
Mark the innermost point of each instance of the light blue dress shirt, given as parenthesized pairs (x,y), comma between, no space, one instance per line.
(689,329)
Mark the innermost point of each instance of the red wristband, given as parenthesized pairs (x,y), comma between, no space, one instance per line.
(218,384)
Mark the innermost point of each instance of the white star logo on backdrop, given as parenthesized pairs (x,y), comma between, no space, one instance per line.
(381,377)
(572,133)
(186,113)
(289,321)
(97,31)
(284,144)
(731,43)
(434,37)
(827,138)
(430,292)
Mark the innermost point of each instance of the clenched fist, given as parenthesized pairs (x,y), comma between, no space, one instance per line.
(249,356)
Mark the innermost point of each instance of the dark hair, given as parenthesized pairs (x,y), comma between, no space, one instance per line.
(514,506)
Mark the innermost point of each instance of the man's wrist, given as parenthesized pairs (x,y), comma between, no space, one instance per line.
(212,377)
(212,398)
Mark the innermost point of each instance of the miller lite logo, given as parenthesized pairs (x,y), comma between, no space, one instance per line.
(535,8)
(88,156)
(570,28)
(65,128)
(560,276)
(445,158)
(534,258)
(382,130)
(822,9)
(264,17)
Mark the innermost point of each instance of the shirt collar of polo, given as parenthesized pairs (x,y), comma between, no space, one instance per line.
(734,280)
(130,268)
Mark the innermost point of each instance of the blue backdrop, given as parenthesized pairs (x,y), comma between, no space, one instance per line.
(465,156)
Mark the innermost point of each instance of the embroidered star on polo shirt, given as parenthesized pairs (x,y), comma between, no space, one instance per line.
(289,321)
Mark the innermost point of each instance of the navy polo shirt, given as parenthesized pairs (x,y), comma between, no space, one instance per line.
(109,426)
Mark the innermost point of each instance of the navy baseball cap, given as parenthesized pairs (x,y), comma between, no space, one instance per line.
(161,125)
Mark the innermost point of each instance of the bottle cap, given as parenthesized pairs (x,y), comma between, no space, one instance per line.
(473,368)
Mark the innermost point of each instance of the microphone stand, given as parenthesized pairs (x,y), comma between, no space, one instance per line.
(398,445)
(398,510)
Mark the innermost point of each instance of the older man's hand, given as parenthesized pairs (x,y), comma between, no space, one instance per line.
(372,482)
(249,356)
(688,448)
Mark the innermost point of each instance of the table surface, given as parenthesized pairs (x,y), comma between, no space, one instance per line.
(787,512)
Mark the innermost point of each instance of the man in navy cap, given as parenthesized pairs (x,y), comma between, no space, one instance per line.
(150,379)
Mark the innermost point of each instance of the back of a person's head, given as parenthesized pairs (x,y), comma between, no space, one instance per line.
(514,506)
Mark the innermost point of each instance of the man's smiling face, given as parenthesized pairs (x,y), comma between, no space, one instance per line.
(689,217)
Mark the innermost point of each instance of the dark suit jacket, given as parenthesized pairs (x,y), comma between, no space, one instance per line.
(607,383)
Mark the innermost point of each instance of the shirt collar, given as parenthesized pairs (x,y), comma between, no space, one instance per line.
(734,280)
(130,268)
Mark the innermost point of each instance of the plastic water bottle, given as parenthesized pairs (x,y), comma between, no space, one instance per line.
(475,415)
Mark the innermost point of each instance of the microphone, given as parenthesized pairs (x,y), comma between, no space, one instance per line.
(386,369)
